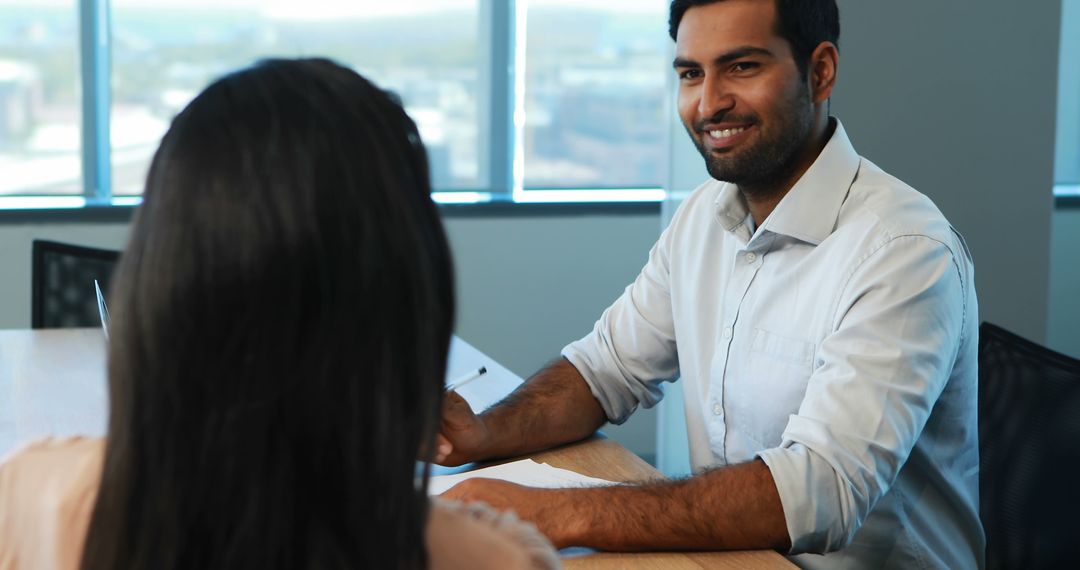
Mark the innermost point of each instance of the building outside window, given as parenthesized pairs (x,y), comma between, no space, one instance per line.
(40,109)
(578,85)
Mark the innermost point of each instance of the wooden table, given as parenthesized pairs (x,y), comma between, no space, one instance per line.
(53,382)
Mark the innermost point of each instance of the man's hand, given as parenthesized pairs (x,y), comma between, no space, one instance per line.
(463,435)
(545,508)
(553,407)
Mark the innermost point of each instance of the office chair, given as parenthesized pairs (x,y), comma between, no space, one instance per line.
(1029,446)
(62,286)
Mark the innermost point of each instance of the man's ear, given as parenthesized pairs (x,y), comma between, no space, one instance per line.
(824,64)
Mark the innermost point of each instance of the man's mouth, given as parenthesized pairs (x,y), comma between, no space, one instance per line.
(725,133)
(724,137)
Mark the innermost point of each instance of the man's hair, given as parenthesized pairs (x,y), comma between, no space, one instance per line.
(803,23)
(282,316)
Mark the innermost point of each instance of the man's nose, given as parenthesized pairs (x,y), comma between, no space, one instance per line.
(716,98)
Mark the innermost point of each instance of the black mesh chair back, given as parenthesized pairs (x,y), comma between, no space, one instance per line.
(1029,445)
(63,284)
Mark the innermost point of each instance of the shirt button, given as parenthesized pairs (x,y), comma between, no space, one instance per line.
(717,409)
(751,257)
(727,332)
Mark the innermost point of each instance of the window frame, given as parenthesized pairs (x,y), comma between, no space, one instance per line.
(1067,136)
(501,23)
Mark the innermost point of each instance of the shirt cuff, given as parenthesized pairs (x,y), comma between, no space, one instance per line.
(617,404)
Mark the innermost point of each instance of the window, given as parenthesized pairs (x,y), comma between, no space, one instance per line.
(165,51)
(594,94)
(40,107)
(515,100)
(1067,147)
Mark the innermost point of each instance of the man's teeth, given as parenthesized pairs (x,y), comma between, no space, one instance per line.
(723,134)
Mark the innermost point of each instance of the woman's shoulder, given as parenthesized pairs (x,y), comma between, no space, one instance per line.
(476,536)
(47,492)
(53,465)
(55,449)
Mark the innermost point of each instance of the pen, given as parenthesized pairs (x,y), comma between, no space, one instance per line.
(103,311)
(466,378)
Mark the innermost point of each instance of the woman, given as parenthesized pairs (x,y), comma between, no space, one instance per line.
(281,321)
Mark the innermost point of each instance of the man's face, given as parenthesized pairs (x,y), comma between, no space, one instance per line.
(741,96)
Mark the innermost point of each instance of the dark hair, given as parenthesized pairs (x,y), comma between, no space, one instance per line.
(803,23)
(280,330)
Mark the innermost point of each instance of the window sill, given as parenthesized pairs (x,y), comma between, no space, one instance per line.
(64,210)
(75,209)
(1067,202)
(505,207)
(1066,196)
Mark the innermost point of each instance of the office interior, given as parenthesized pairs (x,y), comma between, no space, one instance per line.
(968,102)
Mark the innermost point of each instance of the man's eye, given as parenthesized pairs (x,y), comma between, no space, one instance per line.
(689,74)
(743,66)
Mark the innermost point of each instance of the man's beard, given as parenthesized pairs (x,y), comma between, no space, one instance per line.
(772,158)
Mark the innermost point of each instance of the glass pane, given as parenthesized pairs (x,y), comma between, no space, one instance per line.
(166,51)
(594,93)
(1067,163)
(40,108)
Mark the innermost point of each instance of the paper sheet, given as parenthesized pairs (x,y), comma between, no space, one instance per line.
(523,472)
(492,387)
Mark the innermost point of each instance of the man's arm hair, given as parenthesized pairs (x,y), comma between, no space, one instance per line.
(553,407)
(730,508)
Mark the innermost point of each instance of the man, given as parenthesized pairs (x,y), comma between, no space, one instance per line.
(822,317)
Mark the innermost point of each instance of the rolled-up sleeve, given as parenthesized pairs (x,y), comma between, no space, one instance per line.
(632,348)
(877,376)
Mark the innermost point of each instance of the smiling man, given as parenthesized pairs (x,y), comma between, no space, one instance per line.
(820,314)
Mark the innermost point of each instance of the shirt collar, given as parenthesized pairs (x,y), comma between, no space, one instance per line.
(809,210)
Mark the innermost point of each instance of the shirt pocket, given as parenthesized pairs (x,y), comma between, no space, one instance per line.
(779,368)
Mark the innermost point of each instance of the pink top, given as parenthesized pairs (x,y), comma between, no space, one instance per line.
(48,488)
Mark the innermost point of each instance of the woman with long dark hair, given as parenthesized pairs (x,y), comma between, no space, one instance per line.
(281,320)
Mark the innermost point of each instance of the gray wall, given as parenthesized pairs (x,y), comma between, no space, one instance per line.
(527,285)
(957,98)
(15,241)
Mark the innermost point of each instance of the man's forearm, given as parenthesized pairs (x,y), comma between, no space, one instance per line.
(553,407)
(732,508)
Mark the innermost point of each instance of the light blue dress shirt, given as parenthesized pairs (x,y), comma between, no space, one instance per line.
(837,342)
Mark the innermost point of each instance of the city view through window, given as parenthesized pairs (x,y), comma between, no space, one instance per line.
(595,94)
(165,52)
(40,107)
(594,97)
